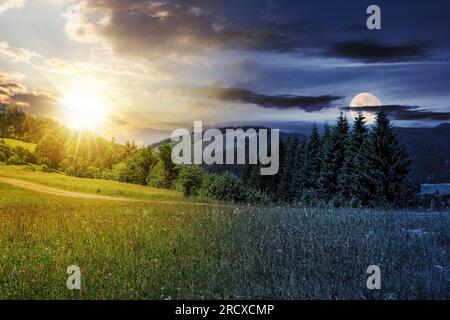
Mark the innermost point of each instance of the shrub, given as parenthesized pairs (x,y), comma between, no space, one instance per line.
(138,167)
(118,172)
(5,151)
(226,187)
(190,180)
(20,156)
(157,177)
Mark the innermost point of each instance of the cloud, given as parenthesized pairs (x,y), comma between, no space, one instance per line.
(149,28)
(17,54)
(8,4)
(178,28)
(399,112)
(38,103)
(306,103)
(9,87)
(34,102)
(372,52)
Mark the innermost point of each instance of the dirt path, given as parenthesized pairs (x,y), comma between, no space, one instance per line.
(70,194)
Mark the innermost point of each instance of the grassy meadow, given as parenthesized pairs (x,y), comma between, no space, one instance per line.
(13,143)
(138,250)
(93,186)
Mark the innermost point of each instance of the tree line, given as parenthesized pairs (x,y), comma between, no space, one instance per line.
(345,165)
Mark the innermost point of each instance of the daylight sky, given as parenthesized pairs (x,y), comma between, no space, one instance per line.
(160,65)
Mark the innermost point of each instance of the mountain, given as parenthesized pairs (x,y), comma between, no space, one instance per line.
(429,149)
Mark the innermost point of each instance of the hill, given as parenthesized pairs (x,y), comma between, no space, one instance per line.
(98,187)
(17,143)
(429,149)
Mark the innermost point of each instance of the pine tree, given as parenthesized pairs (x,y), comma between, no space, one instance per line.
(341,140)
(390,162)
(170,169)
(312,160)
(350,179)
(328,168)
(286,171)
(333,157)
(299,173)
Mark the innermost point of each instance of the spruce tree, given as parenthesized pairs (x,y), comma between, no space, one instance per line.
(390,162)
(287,171)
(299,174)
(170,169)
(340,140)
(328,168)
(333,158)
(350,179)
(312,162)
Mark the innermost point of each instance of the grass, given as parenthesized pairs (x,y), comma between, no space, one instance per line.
(153,251)
(17,143)
(125,250)
(324,253)
(93,186)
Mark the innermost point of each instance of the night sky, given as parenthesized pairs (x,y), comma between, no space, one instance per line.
(162,65)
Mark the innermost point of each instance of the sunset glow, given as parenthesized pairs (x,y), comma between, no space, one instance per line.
(85,107)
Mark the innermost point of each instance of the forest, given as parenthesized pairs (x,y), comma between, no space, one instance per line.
(350,164)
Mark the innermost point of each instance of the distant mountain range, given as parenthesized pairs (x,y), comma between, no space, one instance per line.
(429,149)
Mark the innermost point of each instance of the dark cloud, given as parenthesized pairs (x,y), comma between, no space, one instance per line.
(373,52)
(9,88)
(177,27)
(306,103)
(174,27)
(39,103)
(398,112)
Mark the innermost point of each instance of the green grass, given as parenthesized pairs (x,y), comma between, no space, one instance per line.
(17,143)
(125,250)
(94,186)
(155,251)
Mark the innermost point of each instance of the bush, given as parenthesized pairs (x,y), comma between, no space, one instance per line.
(20,156)
(225,187)
(157,177)
(139,166)
(190,180)
(118,172)
(5,152)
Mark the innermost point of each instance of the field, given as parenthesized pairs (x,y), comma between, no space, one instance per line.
(145,250)
(17,143)
(92,186)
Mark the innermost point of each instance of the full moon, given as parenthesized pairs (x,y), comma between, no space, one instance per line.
(365,99)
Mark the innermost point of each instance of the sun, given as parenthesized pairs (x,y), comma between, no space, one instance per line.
(85,107)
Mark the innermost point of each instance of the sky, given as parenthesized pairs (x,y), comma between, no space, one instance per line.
(145,68)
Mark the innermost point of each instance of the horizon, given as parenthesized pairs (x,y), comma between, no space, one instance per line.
(286,127)
(91,66)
